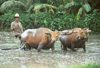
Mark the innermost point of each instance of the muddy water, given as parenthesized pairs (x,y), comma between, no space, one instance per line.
(31,59)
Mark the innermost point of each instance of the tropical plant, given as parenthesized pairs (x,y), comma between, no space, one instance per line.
(44,7)
(84,7)
(56,2)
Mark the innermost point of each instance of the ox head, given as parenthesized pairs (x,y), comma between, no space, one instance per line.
(53,36)
(82,33)
(87,32)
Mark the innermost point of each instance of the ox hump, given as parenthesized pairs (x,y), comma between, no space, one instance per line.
(63,36)
(26,32)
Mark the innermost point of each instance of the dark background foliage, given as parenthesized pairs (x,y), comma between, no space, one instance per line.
(61,19)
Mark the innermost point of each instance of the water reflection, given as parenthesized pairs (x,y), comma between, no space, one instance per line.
(31,59)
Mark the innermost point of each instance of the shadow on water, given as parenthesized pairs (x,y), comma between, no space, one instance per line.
(31,59)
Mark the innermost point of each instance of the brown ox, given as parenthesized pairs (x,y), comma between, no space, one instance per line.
(75,40)
(41,38)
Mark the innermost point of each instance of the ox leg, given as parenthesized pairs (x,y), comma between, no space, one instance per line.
(28,47)
(53,48)
(22,45)
(64,48)
(84,48)
(25,46)
(72,47)
(40,47)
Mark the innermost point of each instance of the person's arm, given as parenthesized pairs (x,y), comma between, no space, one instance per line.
(12,26)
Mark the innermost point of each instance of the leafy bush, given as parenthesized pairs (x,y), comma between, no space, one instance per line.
(93,21)
(55,21)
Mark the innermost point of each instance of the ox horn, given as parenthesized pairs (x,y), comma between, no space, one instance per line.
(88,31)
(47,33)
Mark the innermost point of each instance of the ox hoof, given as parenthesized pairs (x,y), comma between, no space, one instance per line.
(84,51)
(74,50)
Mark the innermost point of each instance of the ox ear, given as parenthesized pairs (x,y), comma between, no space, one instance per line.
(48,34)
(88,31)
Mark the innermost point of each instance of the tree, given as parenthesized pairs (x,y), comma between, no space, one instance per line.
(7,5)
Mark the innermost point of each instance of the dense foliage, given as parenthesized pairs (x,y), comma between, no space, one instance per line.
(55,19)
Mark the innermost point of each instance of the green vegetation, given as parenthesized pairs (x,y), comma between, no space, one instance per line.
(53,14)
(86,66)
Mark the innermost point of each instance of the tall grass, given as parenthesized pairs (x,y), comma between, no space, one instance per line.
(94,65)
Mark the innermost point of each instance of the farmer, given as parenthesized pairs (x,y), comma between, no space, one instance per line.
(16,26)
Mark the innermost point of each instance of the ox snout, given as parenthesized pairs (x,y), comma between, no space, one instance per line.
(53,41)
(77,37)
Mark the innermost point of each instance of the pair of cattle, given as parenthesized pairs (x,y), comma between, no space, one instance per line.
(44,38)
